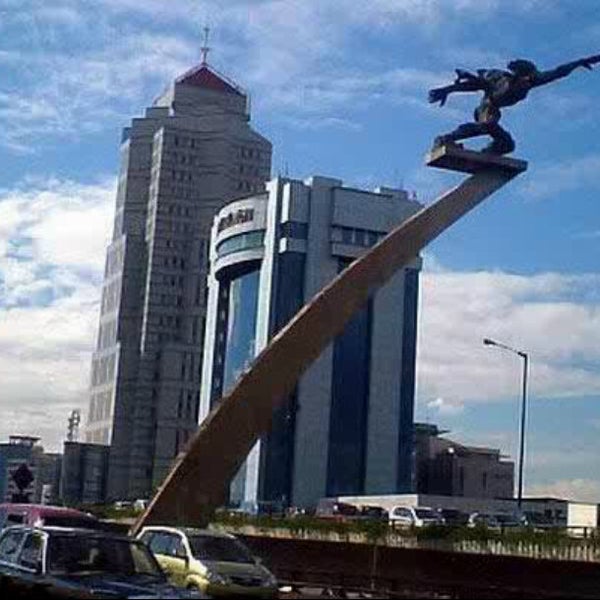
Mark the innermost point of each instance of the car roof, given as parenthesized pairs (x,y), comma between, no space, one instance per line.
(70,531)
(45,510)
(189,531)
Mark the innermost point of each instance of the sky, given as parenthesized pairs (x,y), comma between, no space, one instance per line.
(341,90)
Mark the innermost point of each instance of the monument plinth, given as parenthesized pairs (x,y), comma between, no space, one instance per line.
(453,157)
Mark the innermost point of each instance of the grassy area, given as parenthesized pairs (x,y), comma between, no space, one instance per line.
(375,531)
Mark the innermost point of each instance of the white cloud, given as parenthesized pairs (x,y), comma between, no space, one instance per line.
(60,219)
(446,407)
(296,53)
(583,490)
(566,176)
(546,315)
(49,298)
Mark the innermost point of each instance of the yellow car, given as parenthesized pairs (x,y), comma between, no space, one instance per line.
(214,563)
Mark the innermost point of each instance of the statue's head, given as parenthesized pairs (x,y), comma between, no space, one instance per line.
(522,67)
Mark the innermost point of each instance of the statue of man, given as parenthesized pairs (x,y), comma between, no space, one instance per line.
(500,89)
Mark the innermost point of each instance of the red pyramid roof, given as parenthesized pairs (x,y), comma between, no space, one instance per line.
(203,76)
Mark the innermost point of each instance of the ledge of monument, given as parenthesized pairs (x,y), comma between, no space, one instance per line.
(455,158)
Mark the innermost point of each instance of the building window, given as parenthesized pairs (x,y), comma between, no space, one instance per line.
(243,241)
(294,229)
(279,442)
(235,337)
(349,404)
(407,382)
(347,235)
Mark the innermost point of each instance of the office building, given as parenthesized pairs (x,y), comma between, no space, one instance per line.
(47,485)
(192,152)
(348,426)
(84,473)
(27,474)
(447,468)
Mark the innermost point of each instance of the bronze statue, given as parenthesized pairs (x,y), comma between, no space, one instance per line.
(500,89)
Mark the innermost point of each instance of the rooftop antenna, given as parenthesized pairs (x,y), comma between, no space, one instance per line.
(205,47)
(73,429)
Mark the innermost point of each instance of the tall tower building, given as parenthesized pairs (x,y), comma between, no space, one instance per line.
(347,428)
(193,151)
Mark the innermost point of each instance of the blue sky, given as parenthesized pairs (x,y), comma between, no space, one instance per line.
(339,91)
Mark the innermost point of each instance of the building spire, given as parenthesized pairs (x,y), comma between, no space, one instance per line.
(205,48)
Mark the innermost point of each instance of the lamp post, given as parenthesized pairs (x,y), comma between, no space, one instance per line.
(525,357)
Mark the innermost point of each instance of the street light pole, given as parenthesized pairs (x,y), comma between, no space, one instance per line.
(525,357)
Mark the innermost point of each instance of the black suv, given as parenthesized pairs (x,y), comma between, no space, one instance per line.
(78,563)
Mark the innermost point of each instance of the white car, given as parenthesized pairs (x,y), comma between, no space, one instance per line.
(414,516)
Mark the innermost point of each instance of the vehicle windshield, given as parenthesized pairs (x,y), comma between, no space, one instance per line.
(82,555)
(217,549)
(425,513)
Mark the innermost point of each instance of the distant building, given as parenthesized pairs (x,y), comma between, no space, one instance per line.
(47,485)
(447,468)
(84,473)
(26,472)
(191,152)
(348,426)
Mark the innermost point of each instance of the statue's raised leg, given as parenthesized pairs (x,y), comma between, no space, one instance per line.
(502,141)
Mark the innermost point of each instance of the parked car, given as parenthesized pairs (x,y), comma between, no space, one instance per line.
(330,508)
(261,509)
(65,562)
(36,515)
(454,517)
(217,564)
(508,520)
(141,504)
(411,516)
(478,519)
(374,512)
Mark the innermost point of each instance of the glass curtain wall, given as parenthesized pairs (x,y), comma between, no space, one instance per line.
(235,342)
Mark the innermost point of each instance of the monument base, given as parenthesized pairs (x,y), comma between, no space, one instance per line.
(455,158)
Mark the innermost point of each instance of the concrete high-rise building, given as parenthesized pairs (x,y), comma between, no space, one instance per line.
(348,426)
(192,152)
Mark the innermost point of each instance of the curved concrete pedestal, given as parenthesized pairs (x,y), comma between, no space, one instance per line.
(199,480)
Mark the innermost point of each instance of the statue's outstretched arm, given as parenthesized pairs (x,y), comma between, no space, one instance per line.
(470,84)
(563,70)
